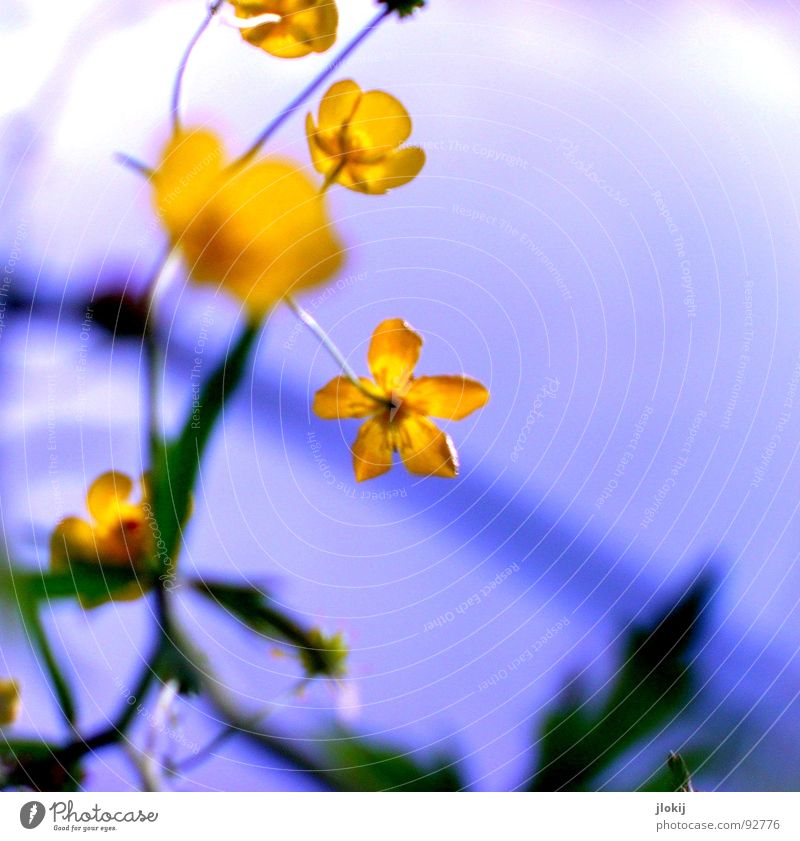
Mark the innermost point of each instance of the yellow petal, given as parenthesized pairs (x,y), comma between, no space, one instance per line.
(106,494)
(324,161)
(341,399)
(393,170)
(393,354)
(451,397)
(380,123)
(260,231)
(372,450)
(186,178)
(306,26)
(424,448)
(9,701)
(338,105)
(72,541)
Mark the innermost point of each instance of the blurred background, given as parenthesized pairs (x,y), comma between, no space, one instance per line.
(605,234)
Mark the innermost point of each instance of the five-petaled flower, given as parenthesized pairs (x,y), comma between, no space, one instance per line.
(9,701)
(398,406)
(119,535)
(260,231)
(358,140)
(300,26)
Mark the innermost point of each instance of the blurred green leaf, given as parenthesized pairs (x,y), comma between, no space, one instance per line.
(253,607)
(357,764)
(176,463)
(652,685)
(38,766)
(90,582)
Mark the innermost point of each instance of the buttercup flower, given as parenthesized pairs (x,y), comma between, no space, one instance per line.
(9,701)
(260,231)
(119,534)
(358,138)
(398,406)
(305,26)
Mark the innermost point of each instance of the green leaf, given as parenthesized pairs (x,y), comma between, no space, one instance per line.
(255,609)
(672,775)
(652,685)
(92,583)
(176,463)
(174,664)
(358,764)
(38,766)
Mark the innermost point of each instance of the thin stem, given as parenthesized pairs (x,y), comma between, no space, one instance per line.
(178,83)
(66,704)
(328,343)
(311,87)
(153,356)
(230,730)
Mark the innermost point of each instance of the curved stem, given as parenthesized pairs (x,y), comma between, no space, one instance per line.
(178,83)
(66,704)
(311,87)
(329,345)
(230,730)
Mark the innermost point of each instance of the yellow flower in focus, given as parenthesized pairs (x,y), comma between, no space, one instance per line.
(10,702)
(119,534)
(358,140)
(305,26)
(398,406)
(259,231)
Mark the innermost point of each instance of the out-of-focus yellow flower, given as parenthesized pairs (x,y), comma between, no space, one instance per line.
(328,656)
(398,406)
(259,231)
(305,26)
(118,535)
(10,702)
(358,140)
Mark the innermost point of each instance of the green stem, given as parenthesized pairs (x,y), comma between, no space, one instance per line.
(66,704)
(176,464)
(311,87)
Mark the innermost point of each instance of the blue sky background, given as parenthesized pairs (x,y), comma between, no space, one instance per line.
(608,213)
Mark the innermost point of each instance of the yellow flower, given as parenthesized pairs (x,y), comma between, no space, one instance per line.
(9,701)
(357,141)
(260,231)
(305,26)
(398,405)
(119,534)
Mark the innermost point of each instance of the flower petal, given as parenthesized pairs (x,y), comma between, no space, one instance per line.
(394,170)
(324,162)
(72,541)
(424,448)
(341,399)
(260,232)
(106,494)
(338,105)
(393,354)
(372,450)
(380,124)
(306,26)
(185,178)
(451,397)
(9,701)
